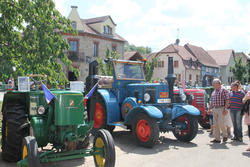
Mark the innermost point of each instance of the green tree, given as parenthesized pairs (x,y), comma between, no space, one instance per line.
(239,69)
(149,69)
(107,69)
(31,40)
(140,49)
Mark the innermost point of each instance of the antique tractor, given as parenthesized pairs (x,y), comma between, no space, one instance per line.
(127,100)
(197,98)
(40,125)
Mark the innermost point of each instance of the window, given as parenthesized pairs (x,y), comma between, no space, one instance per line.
(96,49)
(73,45)
(159,64)
(197,78)
(190,77)
(162,64)
(107,30)
(73,24)
(176,64)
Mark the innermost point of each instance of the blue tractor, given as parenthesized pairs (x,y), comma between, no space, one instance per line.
(146,108)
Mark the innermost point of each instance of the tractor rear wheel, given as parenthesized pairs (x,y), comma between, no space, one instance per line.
(30,151)
(100,115)
(145,130)
(13,131)
(190,131)
(204,122)
(104,143)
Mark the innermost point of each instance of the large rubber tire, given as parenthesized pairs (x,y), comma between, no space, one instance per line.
(100,115)
(204,123)
(145,130)
(13,131)
(103,139)
(190,132)
(30,151)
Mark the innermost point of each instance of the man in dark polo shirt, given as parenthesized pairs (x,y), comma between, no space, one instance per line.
(218,106)
(236,105)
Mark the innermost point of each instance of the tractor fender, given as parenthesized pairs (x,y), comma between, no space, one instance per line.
(149,110)
(112,106)
(179,110)
(128,104)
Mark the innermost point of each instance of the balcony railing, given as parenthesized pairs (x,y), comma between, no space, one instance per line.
(76,56)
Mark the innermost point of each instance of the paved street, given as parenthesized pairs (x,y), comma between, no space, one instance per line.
(169,152)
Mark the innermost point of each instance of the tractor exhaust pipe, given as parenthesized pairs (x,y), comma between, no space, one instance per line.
(91,80)
(171,77)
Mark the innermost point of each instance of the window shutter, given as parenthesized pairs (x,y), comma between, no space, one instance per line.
(162,64)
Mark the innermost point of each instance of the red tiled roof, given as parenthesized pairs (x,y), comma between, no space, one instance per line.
(97,20)
(172,48)
(203,57)
(131,54)
(88,29)
(221,57)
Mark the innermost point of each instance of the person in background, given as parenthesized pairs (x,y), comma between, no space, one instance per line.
(236,96)
(247,87)
(218,106)
(246,99)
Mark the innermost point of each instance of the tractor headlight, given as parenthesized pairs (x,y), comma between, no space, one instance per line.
(146,97)
(183,97)
(41,110)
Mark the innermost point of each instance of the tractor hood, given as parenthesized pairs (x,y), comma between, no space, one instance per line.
(154,91)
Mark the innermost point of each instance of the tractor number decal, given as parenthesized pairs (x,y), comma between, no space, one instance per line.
(126,108)
(163,94)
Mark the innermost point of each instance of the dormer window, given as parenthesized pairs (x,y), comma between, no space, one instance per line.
(73,24)
(107,30)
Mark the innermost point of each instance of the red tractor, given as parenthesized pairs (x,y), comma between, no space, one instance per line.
(197,98)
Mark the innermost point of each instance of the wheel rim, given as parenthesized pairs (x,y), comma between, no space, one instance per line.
(143,130)
(98,120)
(185,120)
(100,160)
(25,152)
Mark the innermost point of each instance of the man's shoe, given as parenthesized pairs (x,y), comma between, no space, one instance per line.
(215,141)
(224,139)
(239,139)
(234,138)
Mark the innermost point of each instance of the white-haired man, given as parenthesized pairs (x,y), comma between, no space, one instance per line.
(218,106)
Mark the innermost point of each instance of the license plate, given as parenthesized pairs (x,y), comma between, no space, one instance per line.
(163,94)
(164,100)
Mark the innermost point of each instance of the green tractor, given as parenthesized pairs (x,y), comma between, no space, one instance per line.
(40,126)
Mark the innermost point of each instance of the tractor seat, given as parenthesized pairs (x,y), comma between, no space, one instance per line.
(105,81)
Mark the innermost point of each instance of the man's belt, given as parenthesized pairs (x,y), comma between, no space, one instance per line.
(219,107)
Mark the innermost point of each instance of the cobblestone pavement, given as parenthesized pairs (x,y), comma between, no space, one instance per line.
(169,152)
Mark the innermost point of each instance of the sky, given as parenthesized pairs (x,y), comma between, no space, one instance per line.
(211,24)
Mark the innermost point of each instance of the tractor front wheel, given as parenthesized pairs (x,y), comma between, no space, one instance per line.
(30,151)
(145,130)
(104,145)
(189,128)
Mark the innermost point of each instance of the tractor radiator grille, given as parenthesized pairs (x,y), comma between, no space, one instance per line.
(152,92)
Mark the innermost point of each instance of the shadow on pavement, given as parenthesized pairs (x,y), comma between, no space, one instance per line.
(247,154)
(235,143)
(125,141)
(218,146)
(201,131)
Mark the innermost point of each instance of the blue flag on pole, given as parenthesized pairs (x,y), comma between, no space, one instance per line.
(90,94)
(48,95)
(91,91)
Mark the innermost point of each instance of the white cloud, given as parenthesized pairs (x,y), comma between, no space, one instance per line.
(61,6)
(213,24)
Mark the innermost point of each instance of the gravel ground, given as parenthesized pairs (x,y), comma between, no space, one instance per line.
(169,152)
